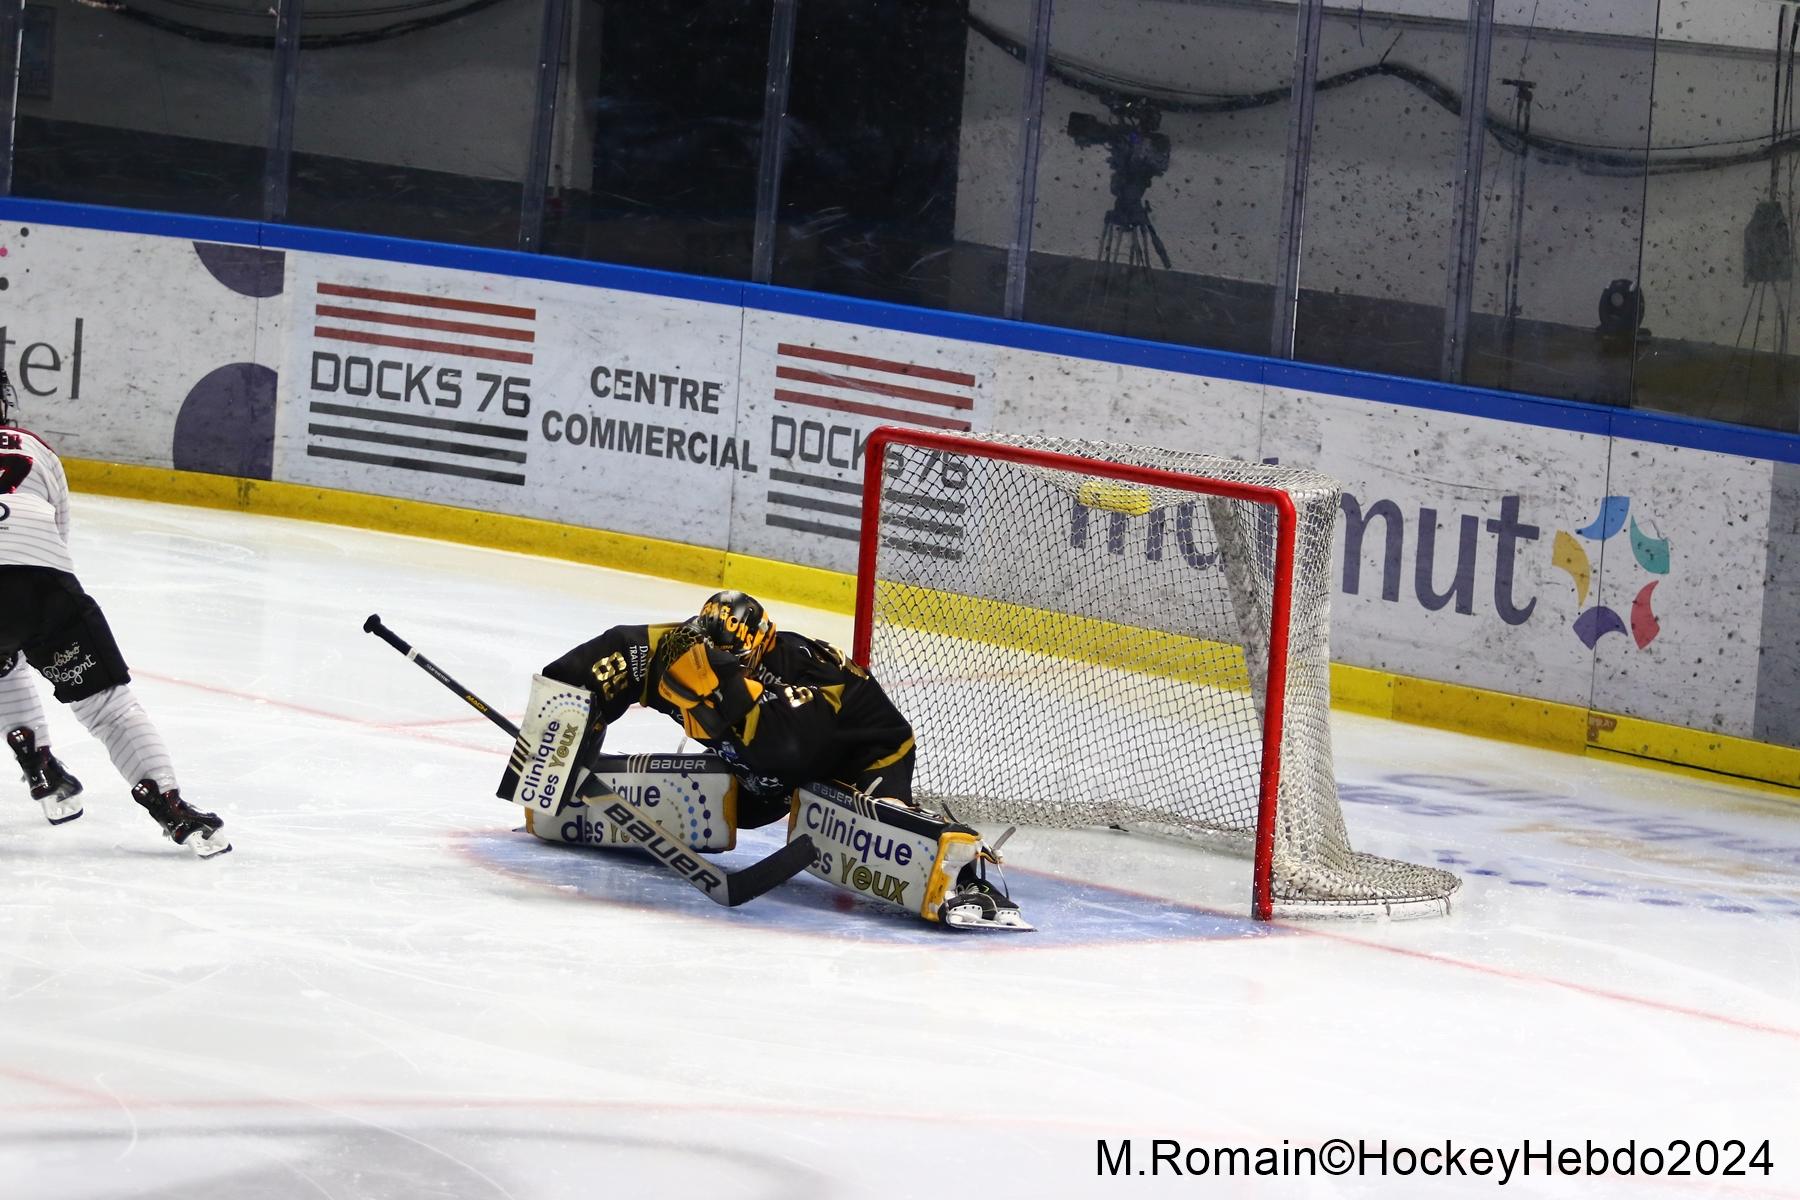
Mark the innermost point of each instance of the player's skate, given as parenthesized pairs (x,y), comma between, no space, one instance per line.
(181,822)
(51,784)
(977,902)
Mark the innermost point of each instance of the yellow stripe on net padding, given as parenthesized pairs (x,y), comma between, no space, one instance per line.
(1133,648)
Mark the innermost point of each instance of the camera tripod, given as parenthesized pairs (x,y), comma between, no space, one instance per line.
(1127,238)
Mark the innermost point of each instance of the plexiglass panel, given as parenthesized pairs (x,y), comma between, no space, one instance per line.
(416,121)
(1718,247)
(1161,173)
(151,105)
(1381,188)
(659,129)
(901,168)
(1562,199)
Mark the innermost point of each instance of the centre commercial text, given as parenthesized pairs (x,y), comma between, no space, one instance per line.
(812,442)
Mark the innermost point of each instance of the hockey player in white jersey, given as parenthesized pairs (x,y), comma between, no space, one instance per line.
(50,622)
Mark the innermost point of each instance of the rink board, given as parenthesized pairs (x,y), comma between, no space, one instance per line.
(1552,551)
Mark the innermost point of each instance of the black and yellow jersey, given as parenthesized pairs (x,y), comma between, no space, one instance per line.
(816,714)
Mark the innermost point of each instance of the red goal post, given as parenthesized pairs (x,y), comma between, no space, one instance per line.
(1168,672)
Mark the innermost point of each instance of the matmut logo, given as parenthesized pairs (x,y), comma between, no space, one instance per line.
(1651,555)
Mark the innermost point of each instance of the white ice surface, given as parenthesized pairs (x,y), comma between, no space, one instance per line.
(386,993)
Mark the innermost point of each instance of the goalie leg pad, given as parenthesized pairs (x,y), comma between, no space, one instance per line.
(544,771)
(899,856)
(695,795)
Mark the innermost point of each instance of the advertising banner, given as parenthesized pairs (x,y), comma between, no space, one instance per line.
(1448,551)
(596,408)
(1639,578)
(812,393)
(1681,547)
(141,349)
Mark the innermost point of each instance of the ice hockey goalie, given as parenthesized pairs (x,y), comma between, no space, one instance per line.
(791,728)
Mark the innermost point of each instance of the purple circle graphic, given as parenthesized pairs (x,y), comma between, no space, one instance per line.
(227,423)
(246,270)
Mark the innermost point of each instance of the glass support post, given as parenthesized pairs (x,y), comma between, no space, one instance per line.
(1031,128)
(1466,247)
(551,39)
(1299,158)
(285,76)
(774,124)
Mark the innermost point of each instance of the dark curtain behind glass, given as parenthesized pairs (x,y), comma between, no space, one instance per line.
(416,121)
(658,135)
(872,141)
(165,111)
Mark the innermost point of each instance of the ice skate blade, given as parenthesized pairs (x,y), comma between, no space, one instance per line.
(207,846)
(971,919)
(60,812)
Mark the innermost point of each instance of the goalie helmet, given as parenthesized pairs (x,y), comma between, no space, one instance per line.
(736,622)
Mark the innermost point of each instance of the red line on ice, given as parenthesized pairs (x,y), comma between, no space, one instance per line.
(1566,984)
(411,728)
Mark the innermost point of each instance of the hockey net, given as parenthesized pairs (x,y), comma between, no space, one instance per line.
(1090,634)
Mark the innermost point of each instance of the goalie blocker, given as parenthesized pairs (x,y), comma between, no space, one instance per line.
(544,772)
(896,856)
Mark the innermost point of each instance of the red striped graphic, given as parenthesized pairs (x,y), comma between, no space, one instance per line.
(382,339)
(411,322)
(422,300)
(895,390)
(789,350)
(812,400)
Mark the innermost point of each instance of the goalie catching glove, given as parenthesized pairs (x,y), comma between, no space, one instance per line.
(707,684)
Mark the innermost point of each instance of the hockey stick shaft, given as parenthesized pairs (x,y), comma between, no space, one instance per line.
(728,888)
(373,625)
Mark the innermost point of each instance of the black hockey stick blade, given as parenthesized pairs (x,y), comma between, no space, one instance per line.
(770,872)
(726,888)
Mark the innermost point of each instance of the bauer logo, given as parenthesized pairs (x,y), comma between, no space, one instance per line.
(1651,555)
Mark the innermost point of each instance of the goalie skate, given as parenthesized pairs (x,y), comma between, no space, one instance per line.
(978,903)
(181,822)
(51,784)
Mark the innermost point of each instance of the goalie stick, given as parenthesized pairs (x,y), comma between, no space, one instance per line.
(728,888)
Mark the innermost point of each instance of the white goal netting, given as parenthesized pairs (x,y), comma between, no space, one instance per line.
(1078,648)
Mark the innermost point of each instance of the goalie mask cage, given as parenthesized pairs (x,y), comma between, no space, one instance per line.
(1090,634)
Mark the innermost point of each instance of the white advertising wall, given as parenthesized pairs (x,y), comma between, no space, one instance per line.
(1566,566)
(548,400)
